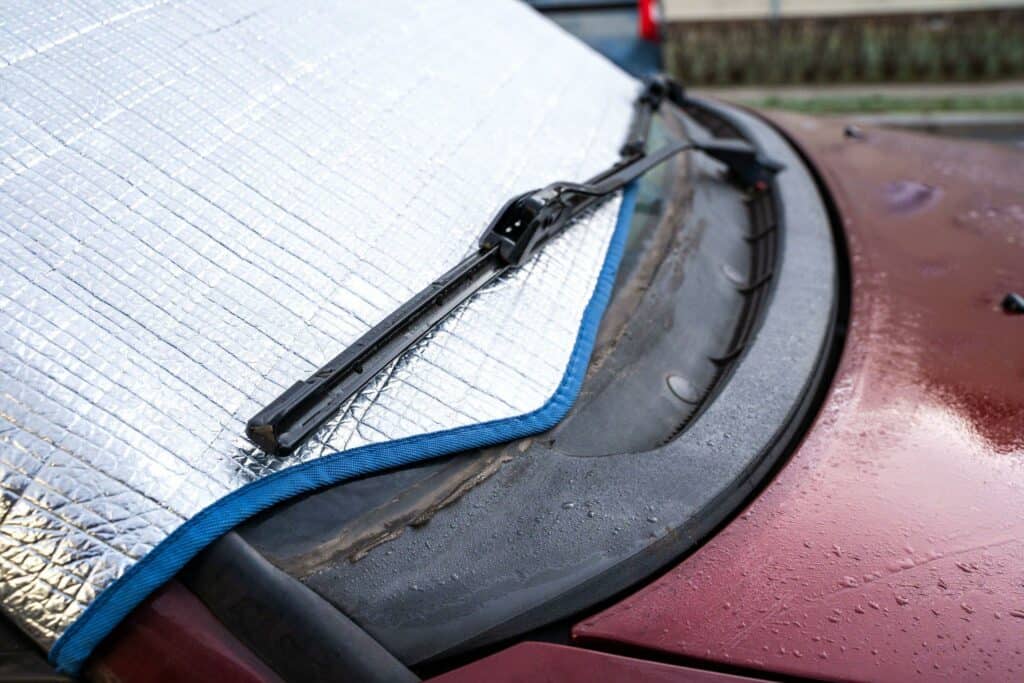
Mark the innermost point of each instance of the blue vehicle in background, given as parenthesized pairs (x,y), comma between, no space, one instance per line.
(627,33)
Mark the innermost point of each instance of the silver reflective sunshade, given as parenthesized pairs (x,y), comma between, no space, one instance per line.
(203,202)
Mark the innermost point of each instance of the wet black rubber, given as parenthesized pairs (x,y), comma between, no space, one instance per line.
(292,629)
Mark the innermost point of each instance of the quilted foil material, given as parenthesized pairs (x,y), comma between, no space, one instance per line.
(203,202)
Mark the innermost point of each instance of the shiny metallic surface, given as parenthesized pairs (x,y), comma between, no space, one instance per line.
(891,546)
(201,203)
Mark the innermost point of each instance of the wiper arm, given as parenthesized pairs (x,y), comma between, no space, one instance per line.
(522,225)
(529,219)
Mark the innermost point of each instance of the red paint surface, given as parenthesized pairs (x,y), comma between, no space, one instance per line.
(172,637)
(540,662)
(891,546)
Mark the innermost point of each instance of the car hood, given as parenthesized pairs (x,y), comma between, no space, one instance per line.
(890,547)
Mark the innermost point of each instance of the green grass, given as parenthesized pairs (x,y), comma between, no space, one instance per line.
(886,104)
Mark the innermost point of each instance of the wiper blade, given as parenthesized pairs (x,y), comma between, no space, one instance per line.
(522,225)
(294,415)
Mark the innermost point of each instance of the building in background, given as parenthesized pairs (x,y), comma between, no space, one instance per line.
(806,41)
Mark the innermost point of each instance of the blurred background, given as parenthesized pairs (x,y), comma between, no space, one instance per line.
(952,67)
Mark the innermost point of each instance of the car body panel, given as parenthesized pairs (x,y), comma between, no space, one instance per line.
(891,546)
(535,662)
(173,637)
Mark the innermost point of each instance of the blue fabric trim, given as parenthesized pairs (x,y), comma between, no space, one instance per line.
(163,562)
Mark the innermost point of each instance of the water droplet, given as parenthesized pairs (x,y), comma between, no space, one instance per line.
(683,389)
(733,274)
(909,195)
(568,506)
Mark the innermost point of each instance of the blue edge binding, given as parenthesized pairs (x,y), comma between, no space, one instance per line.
(71,650)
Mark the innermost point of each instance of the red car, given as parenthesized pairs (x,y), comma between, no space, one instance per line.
(796,453)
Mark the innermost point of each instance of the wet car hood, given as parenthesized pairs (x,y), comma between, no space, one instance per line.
(891,545)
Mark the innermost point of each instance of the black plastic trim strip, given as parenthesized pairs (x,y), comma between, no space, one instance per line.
(298,634)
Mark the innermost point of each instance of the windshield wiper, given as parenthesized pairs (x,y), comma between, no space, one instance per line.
(522,226)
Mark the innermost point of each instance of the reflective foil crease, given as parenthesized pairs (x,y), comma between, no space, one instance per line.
(203,202)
